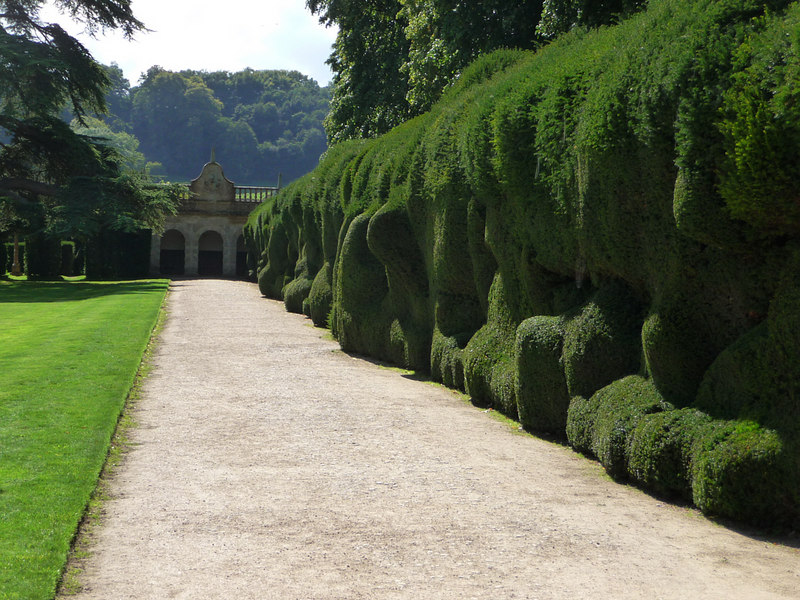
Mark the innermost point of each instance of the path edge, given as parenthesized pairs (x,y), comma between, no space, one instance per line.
(69,582)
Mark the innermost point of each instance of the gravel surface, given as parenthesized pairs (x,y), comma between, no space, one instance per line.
(268,464)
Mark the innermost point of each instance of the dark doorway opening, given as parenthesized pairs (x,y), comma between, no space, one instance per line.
(173,253)
(209,258)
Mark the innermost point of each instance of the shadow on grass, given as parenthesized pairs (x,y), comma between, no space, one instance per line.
(69,291)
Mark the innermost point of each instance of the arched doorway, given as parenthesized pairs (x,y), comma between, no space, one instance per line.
(173,253)
(241,257)
(209,256)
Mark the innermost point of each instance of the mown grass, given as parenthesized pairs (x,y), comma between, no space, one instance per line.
(69,353)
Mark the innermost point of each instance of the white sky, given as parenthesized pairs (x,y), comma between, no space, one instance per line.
(215,36)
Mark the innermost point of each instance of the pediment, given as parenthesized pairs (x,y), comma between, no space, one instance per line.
(212,184)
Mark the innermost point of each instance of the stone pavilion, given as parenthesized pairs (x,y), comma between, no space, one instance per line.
(205,237)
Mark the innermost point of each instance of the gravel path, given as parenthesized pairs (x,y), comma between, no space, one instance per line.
(268,464)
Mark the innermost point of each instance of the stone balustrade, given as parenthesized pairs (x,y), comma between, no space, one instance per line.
(245,193)
(253,193)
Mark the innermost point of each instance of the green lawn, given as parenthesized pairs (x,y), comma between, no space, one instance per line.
(68,356)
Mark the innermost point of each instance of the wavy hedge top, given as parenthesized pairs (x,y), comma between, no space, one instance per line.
(623,203)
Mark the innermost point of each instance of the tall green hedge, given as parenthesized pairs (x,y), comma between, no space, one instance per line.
(112,255)
(42,257)
(600,238)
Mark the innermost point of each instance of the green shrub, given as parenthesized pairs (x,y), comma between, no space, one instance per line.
(661,450)
(701,214)
(783,358)
(602,342)
(480,356)
(43,257)
(447,360)
(503,383)
(296,292)
(273,275)
(620,407)
(320,296)
(581,416)
(760,175)
(361,289)
(757,377)
(745,472)
(111,255)
(483,262)
(489,362)
(542,396)
(391,240)
(734,384)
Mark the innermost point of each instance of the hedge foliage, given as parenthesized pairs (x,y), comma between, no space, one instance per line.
(600,238)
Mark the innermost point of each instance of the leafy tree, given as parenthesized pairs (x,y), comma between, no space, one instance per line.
(446,35)
(52,178)
(125,144)
(559,16)
(263,119)
(118,99)
(175,118)
(369,87)
(393,58)
(431,63)
(261,123)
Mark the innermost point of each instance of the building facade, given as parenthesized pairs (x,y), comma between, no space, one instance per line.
(205,237)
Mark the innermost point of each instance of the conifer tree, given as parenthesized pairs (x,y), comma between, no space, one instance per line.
(53,179)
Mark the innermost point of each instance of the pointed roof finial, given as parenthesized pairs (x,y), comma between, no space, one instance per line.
(213,154)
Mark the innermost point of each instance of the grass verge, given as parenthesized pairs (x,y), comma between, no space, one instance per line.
(69,353)
(80,551)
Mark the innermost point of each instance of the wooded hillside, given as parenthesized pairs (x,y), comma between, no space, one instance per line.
(601,238)
(261,123)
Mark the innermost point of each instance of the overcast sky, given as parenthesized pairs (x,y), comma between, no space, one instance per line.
(221,36)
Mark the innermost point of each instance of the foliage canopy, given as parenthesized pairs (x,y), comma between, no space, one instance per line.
(393,58)
(261,123)
(53,179)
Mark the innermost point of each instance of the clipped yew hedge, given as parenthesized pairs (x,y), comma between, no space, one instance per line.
(601,238)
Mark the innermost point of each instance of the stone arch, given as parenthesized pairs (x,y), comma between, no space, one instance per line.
(173,253)
(210,250)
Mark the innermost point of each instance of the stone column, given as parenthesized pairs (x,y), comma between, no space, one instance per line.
(191,255)
(155,255)
(229,252)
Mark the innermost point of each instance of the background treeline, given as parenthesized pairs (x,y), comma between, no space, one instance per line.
(601,238)
(393,58)
(261,123)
